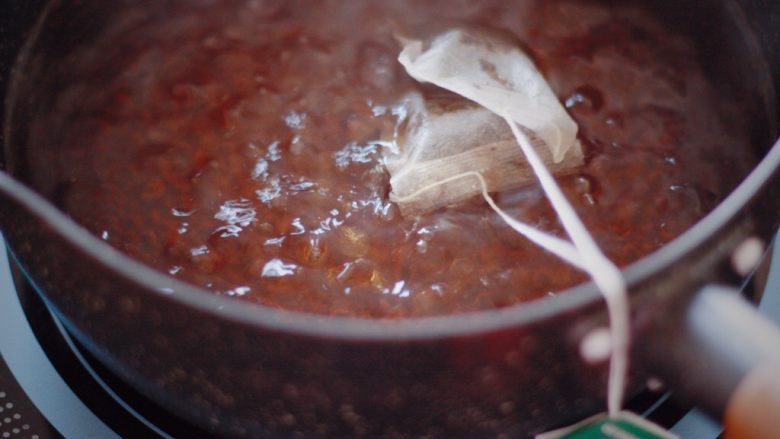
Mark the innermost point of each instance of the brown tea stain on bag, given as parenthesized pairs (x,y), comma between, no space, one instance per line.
(490,68)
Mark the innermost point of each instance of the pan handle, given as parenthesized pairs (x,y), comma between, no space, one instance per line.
(725,357)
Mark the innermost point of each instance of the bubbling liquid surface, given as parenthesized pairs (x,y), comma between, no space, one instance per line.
(237,145)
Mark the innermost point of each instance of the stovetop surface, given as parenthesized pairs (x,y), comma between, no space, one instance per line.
(50,387)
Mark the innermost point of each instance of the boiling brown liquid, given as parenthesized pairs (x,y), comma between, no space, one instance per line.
(237,146)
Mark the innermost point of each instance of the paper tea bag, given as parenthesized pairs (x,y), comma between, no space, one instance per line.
(444,139)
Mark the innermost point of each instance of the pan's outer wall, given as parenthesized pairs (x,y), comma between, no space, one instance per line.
(241,380)
(245,378)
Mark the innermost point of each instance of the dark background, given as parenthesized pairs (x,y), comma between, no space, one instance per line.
(16,19)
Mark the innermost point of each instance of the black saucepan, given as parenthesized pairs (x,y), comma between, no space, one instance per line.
(246,370)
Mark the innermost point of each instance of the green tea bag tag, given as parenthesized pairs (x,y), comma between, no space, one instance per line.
(625,425)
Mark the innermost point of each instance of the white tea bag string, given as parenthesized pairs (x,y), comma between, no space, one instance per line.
(494,72)
(559,247)
(604,273)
